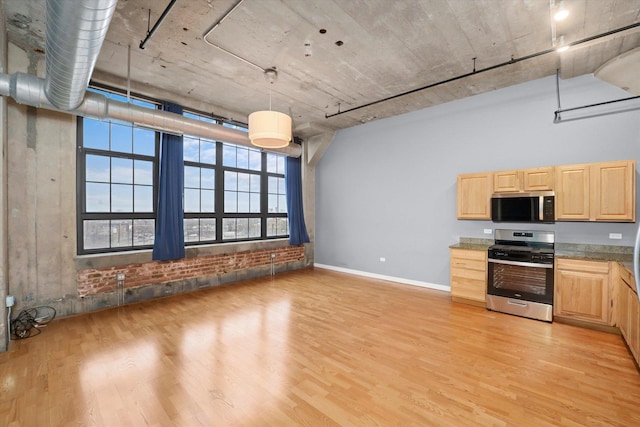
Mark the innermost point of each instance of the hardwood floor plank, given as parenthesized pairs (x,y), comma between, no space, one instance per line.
(316,348)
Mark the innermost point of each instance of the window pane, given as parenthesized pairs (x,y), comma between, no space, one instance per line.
(144,142)
(254,185)
(143,232)
(228,228)
(228,155)
(242,228)
(254,203)
(243,202)
(255,160)
(191,200)
(95,134)
(280,160)
(255,228)
(230,201)
(242,157)
(282,204)
(208,229)
(121,138)
(208,178)
(208,152)
(191,149)
(283,226)
(207,201)
(97,197)
(273,203)
(243,182)
(121,170)
(282,189)
(191,177)
(143,172)
(272,163)
(273,185)
(272,227)
(230,181)
(97,168)
(191,230)
(96,234)
(121,233)
(121,198)
(143,198)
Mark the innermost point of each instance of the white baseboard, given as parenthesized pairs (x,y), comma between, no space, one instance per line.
(383,277)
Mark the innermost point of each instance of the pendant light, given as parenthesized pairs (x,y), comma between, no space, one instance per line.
(269,129)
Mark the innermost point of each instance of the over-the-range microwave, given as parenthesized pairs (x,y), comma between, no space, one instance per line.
(523,207)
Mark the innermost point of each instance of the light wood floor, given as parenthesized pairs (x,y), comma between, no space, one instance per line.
(316,348)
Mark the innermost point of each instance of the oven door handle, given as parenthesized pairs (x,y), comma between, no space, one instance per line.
(520,264)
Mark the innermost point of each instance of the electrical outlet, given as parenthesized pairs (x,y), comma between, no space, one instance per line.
(273,255)
(120,276)
(382,259)
(488,231)
(10,300)
(616,236)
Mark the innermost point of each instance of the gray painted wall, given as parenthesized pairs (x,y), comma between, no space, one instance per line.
(388,188)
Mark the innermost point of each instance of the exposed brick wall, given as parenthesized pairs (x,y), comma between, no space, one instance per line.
(92,281)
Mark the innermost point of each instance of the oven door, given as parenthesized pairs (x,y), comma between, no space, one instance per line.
(521,280)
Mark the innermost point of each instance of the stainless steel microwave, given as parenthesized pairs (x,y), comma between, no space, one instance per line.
(523,207)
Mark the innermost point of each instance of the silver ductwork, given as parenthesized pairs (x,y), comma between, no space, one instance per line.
(74,35)
(29,90)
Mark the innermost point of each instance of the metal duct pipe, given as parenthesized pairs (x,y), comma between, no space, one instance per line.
(29,90)
(74,35)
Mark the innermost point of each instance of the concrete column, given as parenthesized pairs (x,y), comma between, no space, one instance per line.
(312,151)
(4,335)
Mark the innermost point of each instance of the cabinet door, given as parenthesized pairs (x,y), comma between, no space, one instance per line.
(538,179)
(613,191)
(633,330)
(582,291)
(622,307)
(507,181)
(474,196)
(469,274)
(572,192)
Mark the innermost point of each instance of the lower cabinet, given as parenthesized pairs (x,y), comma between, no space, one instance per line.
(582,291)
(469,275)
(628,308)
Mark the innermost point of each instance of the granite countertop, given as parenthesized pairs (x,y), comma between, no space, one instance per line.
(621,254)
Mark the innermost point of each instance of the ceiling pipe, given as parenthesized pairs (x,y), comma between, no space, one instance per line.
(578,43)
(75,31)
(157,24)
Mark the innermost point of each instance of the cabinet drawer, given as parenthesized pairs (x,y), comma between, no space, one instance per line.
(627,277)
(582,266)
(468,274)
(469,254)
(458,263)
(469,289)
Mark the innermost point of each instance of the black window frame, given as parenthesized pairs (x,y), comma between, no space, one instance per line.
(219,214)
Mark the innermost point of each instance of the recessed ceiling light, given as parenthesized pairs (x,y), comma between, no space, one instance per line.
(561,13)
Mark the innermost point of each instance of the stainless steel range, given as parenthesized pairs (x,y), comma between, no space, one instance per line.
(520,273)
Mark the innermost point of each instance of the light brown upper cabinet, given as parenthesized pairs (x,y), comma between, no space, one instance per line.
(507,181)
(596,192)
(538,179)
(613,191)
(474,196)
(572,192)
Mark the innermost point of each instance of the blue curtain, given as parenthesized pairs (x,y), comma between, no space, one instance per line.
(293,179)
(169,240)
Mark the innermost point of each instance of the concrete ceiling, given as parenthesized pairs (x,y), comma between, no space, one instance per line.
(360,51)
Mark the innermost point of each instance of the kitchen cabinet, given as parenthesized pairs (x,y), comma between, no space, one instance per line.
(469,276)
(613,191)
(474,196)
(507,181)
(572,192)
(628,312)
(582,291)
(596,192)
(538,179)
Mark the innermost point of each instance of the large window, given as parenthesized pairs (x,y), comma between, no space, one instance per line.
(231,193)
